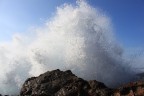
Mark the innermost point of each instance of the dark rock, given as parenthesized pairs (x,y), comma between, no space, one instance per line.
(59,83)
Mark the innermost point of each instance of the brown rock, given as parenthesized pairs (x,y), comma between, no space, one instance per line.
(59,83)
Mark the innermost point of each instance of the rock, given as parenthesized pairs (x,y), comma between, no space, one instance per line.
(131,89)
(63,83)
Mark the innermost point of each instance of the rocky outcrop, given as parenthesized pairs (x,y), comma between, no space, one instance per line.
(59,83)
(65,83)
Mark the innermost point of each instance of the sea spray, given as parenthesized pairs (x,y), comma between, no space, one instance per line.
(79,38)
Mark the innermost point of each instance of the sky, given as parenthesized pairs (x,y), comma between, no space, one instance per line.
(127,16)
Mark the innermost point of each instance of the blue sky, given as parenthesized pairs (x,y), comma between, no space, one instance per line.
(127,17)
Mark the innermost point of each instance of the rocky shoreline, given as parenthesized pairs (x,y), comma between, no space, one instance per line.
(65,83)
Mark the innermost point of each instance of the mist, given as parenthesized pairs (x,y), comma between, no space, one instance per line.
(78,38)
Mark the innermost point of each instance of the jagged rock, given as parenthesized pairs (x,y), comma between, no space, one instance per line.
(59,83)
(65,83)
